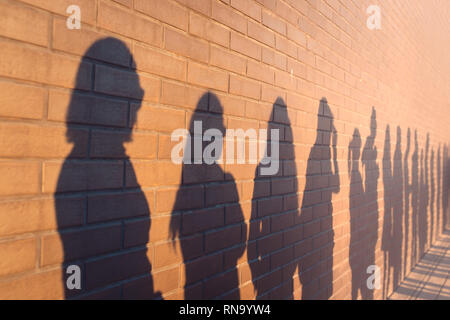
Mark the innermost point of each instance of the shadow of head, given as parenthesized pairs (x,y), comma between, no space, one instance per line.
(326,123)
(207,125)
(121,83)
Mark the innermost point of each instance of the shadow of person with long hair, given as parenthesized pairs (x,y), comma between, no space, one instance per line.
(432,198)
(322,181)
(216,252)
(424,200)
(395,258)
(371,174)
(386,238)
(407,196)
(445,189)
(438,191)
(415,203)
(275,209)
(92,170)
(356,203)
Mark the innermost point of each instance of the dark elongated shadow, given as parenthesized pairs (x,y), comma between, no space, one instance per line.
(363,207)
(386,239)
(104,167)
(208,199)
(356,202)
(397,212)
(322,181)
(371,174)
(274,227)
(407,195)
(424,199)
(432,197)
(415,202)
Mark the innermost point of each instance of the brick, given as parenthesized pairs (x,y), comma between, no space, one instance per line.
(274,58)
(273,22)
(183,198)
(126,3)
(22,101)
(26,216)
(89,109)
(142,231)
(69,246)
(228,237)
(248,7)
(210,78)
(158,119)
(24,23)
(116,268)
(26,140)
(151,173)
(245,46)
(228,105)
(285,80)
(260,72)
(220,284)
(296,35)
(270,206)
(186,46)
(21,62)
(181,95)
(35,286)
(88,8)
(269,4)
(209,30)
(167,280)
(201,220)
(244,87)
(261,34)
(109,144)
(221,193)
(113,206)
(298,69)
(203,6)
(286,46)
(203,267)
(159,63)
(227,60)
(117,20)
(164,10)
(270,94)
(260,111)
(228,17)
(128,84)
(90,44)
(17,256)
(81,176)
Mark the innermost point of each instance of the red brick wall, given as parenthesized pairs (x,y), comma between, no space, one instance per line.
(85,125)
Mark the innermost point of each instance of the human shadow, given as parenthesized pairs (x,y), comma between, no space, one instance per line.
(445,188)
(356,201)
(415,202)
(407,196)
(387,215)
(322,181)
(397,212)
(424,199)
(208,199)
(363,206)
(371,176)
(273,230)
(432,197)
(438,191)
(99,172)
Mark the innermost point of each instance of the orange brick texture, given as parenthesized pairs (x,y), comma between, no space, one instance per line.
(86,118)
